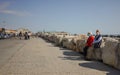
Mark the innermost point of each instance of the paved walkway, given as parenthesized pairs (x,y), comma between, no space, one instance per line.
(37,57)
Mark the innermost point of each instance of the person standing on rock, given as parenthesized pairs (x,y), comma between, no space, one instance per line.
(98,39)
(88,43)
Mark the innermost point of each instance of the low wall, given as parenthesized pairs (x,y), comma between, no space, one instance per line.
(109,52)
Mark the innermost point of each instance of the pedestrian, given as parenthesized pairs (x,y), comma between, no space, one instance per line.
(88,43)
(20,35)
(98,39)
(26,35)
(29,34)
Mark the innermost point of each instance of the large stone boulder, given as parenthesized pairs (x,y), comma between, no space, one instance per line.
(66,41)
(58,40)
(110,52)
(96,53)
(80,44)
(73,43)
(90,53)
(118,57)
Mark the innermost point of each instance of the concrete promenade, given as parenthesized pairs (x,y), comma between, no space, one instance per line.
(38,57)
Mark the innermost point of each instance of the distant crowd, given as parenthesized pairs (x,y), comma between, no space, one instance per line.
(26,35)
(19,35)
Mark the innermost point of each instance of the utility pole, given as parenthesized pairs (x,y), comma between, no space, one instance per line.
(4,22)
(3,29)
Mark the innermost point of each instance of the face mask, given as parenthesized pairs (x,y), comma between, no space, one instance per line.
(88,34)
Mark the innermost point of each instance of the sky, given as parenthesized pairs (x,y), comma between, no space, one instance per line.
(73,16)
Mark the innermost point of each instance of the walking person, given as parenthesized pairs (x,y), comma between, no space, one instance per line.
(88,43)
(20,35)
(26,36)
(29,34)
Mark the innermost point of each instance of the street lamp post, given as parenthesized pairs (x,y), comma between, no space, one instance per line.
(3,29)
(4,24)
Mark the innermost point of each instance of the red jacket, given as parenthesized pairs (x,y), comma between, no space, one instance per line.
(90,41)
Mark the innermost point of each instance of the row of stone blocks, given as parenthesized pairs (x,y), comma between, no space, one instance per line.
(109,52)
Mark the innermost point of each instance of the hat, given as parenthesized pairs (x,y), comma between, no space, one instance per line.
(90,33)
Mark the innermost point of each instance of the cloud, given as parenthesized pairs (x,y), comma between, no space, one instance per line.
(4,10)
(13,12)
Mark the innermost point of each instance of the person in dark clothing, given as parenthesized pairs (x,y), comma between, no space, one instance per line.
(88,43)
(98,39)
(29,35)
(20,35)
(26,35)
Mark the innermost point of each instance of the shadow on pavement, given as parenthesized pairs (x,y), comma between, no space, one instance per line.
(100,66)
(71,55)
(71,58)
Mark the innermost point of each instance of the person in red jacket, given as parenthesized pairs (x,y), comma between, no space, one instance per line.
(88,43)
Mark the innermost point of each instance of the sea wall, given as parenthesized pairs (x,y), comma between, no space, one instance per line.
(109,53)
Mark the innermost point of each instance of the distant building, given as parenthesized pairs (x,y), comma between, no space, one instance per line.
(10,31)
(2,30)
(23,30)
(7,31)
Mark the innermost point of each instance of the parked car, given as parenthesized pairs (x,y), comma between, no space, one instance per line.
(1,36)
(4,36)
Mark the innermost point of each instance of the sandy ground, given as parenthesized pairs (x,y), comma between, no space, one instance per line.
(38,57)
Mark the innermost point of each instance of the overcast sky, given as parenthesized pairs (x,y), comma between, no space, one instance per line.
(74,16)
